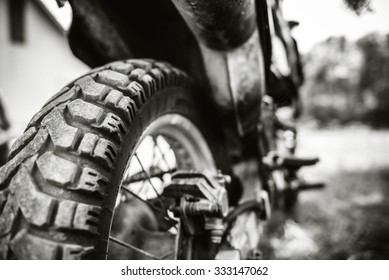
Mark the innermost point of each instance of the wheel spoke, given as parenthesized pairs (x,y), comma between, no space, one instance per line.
(147,174)
(142,176)
(152,163)
(152,206)
(133,248)
(156,145)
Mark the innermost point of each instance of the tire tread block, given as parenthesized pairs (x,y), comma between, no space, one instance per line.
(88,118)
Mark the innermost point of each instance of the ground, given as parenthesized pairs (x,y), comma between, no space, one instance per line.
(349,219)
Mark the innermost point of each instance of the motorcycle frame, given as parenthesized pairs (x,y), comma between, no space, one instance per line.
(224,45)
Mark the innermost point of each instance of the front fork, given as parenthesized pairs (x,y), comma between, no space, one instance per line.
(232,53)
(229,40)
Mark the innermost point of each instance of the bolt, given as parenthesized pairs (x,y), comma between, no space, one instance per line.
(201,207)
(223,179)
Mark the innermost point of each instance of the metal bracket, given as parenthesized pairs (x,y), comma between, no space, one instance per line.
(205,194)
(200,197)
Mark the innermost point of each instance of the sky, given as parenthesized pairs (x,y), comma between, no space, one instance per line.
(319,19)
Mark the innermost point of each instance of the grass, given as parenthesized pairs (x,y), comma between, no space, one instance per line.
(350,218)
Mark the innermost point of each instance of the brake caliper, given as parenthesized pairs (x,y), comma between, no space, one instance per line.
(201,202)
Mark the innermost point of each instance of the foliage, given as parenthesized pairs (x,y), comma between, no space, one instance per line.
(358,6)
(348,81)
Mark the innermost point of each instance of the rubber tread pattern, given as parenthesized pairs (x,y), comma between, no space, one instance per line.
(67,154)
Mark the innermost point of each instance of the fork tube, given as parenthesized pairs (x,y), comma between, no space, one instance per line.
(228,37)
(219,24)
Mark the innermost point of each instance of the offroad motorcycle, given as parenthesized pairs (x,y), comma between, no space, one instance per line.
(138,159)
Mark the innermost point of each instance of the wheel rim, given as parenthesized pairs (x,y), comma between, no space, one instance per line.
(142,227)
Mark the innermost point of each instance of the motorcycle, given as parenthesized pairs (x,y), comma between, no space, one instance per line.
(139,159)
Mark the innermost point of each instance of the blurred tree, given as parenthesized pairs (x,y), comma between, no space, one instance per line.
(375,75)
(348,81)
(358,6)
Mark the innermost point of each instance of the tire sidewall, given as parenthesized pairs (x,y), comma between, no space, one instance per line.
(185,101)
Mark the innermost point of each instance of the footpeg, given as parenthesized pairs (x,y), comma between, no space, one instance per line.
(274,161)
(303,185)
(296,163)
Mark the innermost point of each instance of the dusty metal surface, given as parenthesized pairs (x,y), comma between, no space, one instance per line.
(237,82)
(232,55)
(102,32)
(219,24)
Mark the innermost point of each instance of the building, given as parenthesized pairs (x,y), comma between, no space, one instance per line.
(35,59)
